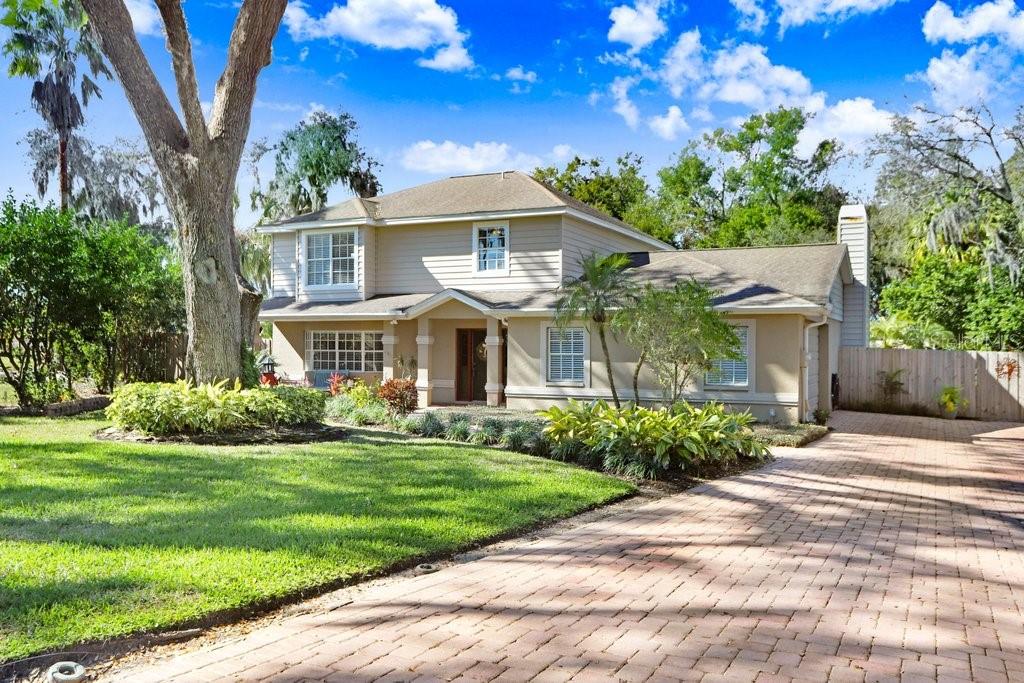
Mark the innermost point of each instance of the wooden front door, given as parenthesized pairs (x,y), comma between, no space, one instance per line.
(470,365)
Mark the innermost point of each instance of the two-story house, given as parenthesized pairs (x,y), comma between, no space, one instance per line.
(454,283)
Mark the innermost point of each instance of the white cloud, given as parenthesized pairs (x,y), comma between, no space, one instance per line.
(453,57)
(593,97)
(752,16)
(145,17)
(521,79)
(743,74)
(562,152)
(303,54)
(449,157)
(388,24)
(800,12)
(958,80)
(624,106)
(670,125)
(637,26)
(1001,19)
(702,114)
(683,63)
(851,121)
(271,105)
(517,73)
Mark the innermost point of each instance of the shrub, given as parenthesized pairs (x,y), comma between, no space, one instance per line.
(407,425)
(648,442)
(431,426)
(491,430)
(458,428)
(336,384)
(821,416)
(518,437)
(356,411)
(950,399)
(361,393)
(164,408)
(399,395)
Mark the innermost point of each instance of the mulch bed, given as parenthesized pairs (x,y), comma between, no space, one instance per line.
(312,433)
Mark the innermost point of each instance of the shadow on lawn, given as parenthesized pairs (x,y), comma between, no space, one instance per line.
(362,495)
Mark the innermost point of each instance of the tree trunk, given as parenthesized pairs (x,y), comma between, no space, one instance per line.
(608,365)
(62,160)
(636,376)
(200,204)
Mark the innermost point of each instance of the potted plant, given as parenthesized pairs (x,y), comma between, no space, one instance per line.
(950,402)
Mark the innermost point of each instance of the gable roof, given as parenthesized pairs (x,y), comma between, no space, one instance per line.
(800,275)
(507,192)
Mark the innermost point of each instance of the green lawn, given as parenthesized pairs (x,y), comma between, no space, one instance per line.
(100,539)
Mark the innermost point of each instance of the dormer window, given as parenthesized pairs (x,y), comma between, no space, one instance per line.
(331,258)
(490,248)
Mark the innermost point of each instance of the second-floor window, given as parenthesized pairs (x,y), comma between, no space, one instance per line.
(331,258)
(490,249)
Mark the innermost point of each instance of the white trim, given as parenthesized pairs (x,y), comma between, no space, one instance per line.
(475,248)
(424,340)
(749,387)
(389,339)
(304,261)
(544,381)
(479,216)
(444,296)
(306,225)
(561,392)
(496,340)
(491,388)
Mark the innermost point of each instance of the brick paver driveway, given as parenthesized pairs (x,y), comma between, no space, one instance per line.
(892,548)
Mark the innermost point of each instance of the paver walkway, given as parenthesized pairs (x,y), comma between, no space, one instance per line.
(892,548)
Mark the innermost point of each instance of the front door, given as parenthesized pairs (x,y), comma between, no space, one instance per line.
(471,365)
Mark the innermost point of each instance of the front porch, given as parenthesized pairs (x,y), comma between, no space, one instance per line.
(455,352)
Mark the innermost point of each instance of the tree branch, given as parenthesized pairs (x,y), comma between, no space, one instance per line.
(113,25)
(248,53)
(180,47)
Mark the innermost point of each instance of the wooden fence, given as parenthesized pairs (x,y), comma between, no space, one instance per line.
(990,380)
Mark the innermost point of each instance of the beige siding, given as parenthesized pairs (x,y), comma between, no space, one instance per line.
(283,262)
(835,297)
(432,257)
(856,296)
(776,372)
(580,239)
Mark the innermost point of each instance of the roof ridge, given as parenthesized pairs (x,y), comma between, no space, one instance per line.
(766,246)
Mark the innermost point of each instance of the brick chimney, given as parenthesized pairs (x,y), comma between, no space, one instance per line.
(853,232)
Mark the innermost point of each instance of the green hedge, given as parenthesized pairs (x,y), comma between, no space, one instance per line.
(179,408)
(650,442)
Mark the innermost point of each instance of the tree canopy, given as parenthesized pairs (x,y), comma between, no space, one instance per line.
(309,159)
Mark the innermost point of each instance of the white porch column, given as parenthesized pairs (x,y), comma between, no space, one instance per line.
(423,343)
(494,386)
(389,340)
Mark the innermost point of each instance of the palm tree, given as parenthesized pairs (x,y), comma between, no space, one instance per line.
(56,33)
(601,289)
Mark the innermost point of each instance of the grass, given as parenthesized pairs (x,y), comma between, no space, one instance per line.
(101,539)
(794,435)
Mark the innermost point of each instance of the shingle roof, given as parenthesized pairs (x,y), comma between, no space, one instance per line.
(804,270)
(664,269)
(758,277)
(458,195)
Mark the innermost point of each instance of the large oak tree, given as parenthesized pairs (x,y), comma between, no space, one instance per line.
(198,163)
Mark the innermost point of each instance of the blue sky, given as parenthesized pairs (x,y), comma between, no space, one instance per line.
(445,87)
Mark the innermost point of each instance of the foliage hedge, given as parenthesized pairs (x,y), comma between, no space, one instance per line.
(182,408)
(650,442)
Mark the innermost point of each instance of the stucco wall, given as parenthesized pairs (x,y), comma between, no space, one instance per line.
(776,369)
